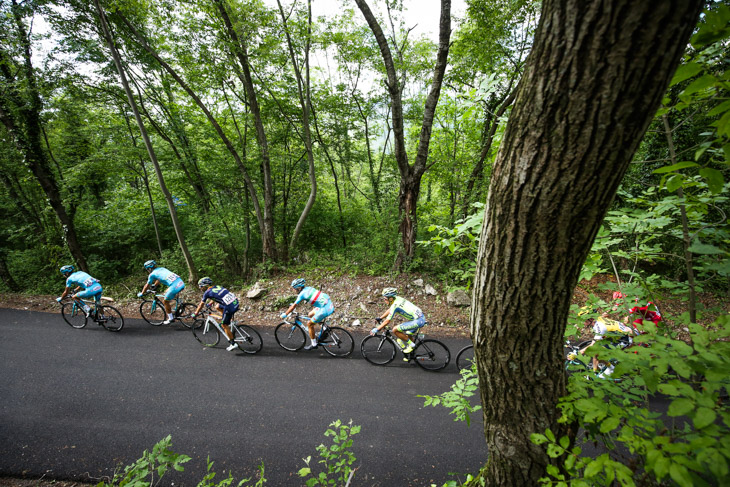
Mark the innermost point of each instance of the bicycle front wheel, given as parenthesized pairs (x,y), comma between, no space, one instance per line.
(184,312)
(248,339)
(73,315)
(338,342)
(110,318)
(431,355)
(206,333)
(152,311)
(465,357)
(378,350)
(289,337)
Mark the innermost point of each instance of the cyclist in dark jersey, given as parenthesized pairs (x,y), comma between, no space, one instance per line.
(227,304)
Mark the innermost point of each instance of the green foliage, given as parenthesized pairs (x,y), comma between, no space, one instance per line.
(336,459)
(459,398)
(691,448)
(150,468)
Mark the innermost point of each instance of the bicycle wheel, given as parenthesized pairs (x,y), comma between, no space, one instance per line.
(465,357)
(579,362)
(248,339)
(378,350)
(183,312)
(73,315)
(289,337)
(431,355)
(110,318)
(337,342)
(206,333)
(152,311)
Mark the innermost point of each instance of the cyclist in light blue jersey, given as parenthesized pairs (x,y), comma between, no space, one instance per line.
(78,280)
(409,311)
(321,303)
(174,284)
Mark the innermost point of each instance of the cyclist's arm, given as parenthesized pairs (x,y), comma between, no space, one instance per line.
(66,292)
(291,308)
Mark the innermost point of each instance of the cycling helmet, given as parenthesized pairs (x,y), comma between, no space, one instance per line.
(390,292)
(150,264)
(205,281)
(297,283)
(67,269)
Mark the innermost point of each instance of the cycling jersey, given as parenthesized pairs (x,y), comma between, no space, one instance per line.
(405,308)
(91,286)
(604,326)
(222,296)
(646,314)
(163,275)
(314,297)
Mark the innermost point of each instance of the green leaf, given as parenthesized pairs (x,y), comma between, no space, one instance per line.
(686,71)
(704,417)
(680,407)
(675,167)
(698,247)
(715,180)
(674,183)
(680,475)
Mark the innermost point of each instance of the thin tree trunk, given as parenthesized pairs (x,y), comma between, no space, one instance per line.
(686,237)
(567,145)
(192,272)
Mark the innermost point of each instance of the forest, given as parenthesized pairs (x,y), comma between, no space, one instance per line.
(240,138)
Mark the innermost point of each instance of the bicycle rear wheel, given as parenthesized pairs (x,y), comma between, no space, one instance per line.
(378,350)
(465,357)
(289,337)
(206,333)
(110,318)
(73,315)
(152,311)
(248,339)
(431,355)
(183,313)
(337,342)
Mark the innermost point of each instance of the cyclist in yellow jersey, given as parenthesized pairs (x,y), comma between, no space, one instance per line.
(621,336)
(408,310)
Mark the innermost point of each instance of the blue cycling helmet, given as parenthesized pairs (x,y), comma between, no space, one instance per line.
(205,281)
(390,292)
(297,283)
(67,269)
(150,264)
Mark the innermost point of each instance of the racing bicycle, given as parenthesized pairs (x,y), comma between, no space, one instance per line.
(208,332)
(291,334)
(465,358)
(429,354)
(102,314)
(153,310)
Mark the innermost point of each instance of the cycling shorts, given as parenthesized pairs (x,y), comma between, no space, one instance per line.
(228,315)
(411,327)
(91,291)
(172,291)
(323,312)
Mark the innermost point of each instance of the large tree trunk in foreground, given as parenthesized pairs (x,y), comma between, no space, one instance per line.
(594,79)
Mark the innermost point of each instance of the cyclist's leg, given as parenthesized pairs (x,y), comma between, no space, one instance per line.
(405,331)
(226,324)
(89,293)
(318,315)
(170,296)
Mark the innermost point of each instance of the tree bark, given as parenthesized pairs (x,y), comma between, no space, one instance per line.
(593,81)
(192,271)
(411,174)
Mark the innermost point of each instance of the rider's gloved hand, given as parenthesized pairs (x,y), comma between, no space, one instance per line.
(139,295)
(374,331)
(283,316)
(58,299)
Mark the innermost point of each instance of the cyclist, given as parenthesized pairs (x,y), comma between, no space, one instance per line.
(227,304)
(80,279)
(644,313)
(405,308)
(321,303)
(174,284)
(620,336)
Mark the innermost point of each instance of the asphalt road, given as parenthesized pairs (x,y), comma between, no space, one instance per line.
(75,404)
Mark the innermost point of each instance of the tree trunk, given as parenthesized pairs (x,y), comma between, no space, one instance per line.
(27,131)
(593,81)
(411,175)
(192,271)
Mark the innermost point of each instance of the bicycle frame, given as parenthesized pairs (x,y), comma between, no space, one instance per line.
(299,319)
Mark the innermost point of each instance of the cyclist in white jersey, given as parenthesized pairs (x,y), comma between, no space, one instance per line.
(321,303)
